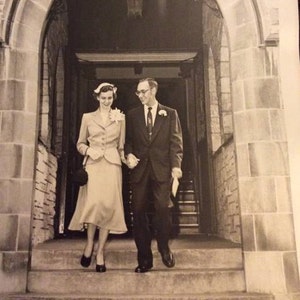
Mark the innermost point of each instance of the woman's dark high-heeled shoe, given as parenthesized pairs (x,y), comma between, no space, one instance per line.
(100,268)
(86,261)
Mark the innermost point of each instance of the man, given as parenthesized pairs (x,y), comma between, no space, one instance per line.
(154,153)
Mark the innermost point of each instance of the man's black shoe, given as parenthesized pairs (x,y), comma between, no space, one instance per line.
(168,259)
(142,269)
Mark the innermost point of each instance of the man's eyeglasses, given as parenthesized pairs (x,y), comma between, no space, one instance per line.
(141,92)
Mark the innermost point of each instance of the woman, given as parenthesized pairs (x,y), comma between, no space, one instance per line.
(100,203)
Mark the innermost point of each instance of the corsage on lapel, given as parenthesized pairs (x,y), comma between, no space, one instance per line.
(162,113)
(116,115)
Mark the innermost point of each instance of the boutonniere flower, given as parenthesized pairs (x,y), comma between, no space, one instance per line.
(116,115)
(163,113)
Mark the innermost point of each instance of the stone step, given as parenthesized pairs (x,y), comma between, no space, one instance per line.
(187,195)
(185,206)
(119,282)
(190,253)
(190,229)
(207,296)
(182,218)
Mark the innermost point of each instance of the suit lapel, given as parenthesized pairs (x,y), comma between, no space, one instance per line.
(141,122)
(158,122)
(99,121)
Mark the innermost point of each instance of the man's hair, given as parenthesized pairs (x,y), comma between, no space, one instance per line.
(151,81)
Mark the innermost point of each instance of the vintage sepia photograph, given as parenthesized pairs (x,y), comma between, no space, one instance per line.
(150,150)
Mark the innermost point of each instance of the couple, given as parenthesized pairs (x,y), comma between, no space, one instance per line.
(152,150)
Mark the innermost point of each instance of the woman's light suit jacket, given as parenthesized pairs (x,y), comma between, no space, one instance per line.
(107,139)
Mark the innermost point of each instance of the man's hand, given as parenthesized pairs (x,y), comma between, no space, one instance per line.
(132,161)
(176,173)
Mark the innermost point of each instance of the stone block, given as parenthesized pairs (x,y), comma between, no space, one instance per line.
(262,93)
(24,233)
(18,127)
(28,162)
(31,98)
(283,194)
(248,232)
(15,196)
(268,159)
(258,195)
(291,272)
(26,39)
(227,123)
(278,125)
(24,67)
(11,96)
(225,85)
(252,125)
(274,232)
(226,102)
(243,160)
(45,4)
(244,37)
(272,63)
(9,231)
(31,14)
(14,261)
(11,160)
(238,97)
(264,272)
(242,13)
(14,282)
(253,64)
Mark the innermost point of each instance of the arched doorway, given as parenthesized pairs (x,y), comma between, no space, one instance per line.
(246,78)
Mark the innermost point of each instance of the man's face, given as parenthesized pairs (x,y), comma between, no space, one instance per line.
(145,93)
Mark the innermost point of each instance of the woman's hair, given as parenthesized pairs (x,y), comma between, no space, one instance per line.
(105,88)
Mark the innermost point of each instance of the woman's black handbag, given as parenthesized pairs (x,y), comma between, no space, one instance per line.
(80,176)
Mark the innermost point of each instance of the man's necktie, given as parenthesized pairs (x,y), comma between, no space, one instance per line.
(149,122)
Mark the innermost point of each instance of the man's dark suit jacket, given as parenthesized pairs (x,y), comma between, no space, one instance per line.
(165,149)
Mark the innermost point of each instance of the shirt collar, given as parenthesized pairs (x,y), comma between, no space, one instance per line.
(154,107)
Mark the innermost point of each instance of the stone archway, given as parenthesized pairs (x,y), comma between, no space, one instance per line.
(268,250)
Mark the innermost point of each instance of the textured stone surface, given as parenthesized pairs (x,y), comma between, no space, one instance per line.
(11,160)
(291,272)
(9,231)
(258,194)
(262,93)
(13,261)
(11,201)
(226,196)
(264,272)
(10,90)
(248,232)
(252,125)
(274,232)
(268,159)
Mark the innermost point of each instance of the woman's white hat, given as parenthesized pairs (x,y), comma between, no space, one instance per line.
(101,85)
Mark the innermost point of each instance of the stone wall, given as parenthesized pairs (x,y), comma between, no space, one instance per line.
(45,196)
(220,126)
(226,193)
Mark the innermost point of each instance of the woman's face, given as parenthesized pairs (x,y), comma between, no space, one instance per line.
(106,99)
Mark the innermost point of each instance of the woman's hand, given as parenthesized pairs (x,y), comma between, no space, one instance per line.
(132,161)
(93,154)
